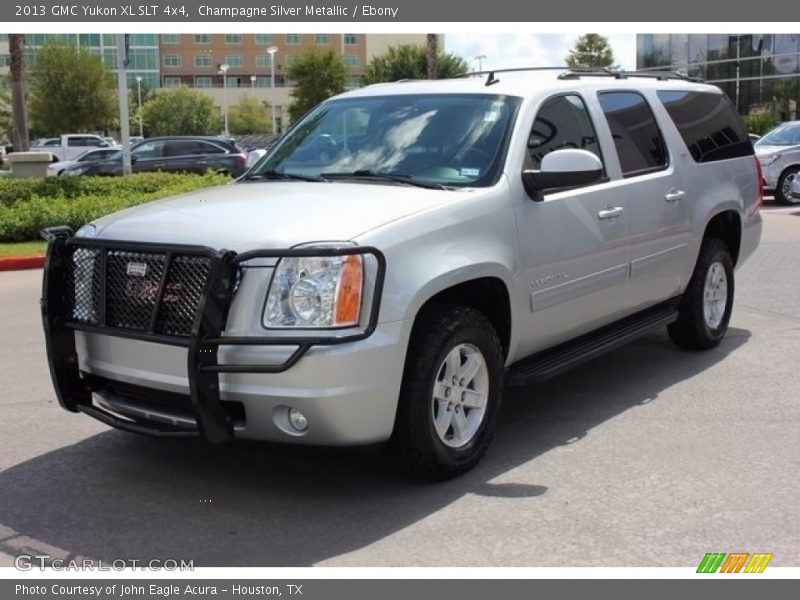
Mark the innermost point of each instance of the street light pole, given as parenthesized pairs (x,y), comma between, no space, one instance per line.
(480,58)
(272,50)
(139,93)
(224,68)
(252,82)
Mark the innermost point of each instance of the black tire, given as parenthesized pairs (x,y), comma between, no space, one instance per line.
(415,447)
(781,197)
(691,330)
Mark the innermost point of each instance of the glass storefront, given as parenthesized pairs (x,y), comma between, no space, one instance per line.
(759,72)
(142,54)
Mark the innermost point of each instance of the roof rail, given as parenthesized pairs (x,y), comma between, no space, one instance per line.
(606,72)
(577,72)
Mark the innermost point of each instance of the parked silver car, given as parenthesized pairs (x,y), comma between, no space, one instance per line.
(779,153)
(404,252)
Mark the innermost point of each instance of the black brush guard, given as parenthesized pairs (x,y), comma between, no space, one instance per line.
(74,391)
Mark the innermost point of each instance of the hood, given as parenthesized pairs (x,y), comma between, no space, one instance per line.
(764,150)
(247,216)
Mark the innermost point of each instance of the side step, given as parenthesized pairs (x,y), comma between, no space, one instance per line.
(550,363)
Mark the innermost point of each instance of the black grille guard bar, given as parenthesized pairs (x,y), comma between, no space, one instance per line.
(214,424)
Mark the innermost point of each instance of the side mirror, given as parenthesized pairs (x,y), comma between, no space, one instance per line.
(568,167)
(103,145)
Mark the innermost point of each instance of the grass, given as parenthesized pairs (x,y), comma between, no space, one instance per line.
(22,248)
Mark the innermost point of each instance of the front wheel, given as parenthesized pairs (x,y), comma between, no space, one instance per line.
(451,393)
(705,308)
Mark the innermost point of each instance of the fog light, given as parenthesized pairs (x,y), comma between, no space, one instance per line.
(298,419)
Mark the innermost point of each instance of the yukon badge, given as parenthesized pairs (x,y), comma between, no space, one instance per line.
(136,269)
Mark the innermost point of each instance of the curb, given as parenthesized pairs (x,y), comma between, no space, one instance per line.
(15,263)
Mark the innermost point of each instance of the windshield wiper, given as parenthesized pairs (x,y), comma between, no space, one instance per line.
(403,178)
(274,175)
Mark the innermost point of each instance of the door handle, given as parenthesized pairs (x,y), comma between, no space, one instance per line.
(674,196)
(610,213)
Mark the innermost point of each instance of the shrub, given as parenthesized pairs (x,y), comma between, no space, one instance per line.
(759,124)
(29,205)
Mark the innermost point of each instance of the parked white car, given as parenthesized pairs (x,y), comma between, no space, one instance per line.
(70,146)
(778,150)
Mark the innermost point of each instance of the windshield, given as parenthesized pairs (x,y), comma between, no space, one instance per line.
(439,139)
(783,135)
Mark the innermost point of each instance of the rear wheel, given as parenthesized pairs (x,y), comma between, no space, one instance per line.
(783,193)
(451,393)
(705,308)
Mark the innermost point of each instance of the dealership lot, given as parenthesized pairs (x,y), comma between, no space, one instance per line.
(648,456)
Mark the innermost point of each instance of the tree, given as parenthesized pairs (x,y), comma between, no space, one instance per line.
(317,76)
(71,90)
(250,116)
(19,110)
(411,62)
(591,50)
(432,56)
(6,120)
(180,111)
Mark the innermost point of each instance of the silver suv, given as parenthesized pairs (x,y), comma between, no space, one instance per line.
(403,253)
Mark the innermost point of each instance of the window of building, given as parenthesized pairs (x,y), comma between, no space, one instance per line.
(234,60)
(354,82)
(322,39)
(170,38)
(288,59)
(172,82)
(350,38)
(143,59)
(233,38)
(637,138)
(143,39)
(110,57)
(5,60)
(350,60)
(171,60)
(262,82)
(89,39)
(708,124)
(263,60)
(562,122)
(293,39)
(202,60)
(202,38)
(109,39)
(262,39)
(202,82)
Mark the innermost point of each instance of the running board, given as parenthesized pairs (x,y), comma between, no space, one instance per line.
(550,363)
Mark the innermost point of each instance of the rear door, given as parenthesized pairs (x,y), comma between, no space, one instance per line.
(657,201)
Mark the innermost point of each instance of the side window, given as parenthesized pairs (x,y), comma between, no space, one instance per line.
(638,140)
(562,122)
(93,141)
(76,140)
(181,148)
(207,148)
(148,150)
(708,124)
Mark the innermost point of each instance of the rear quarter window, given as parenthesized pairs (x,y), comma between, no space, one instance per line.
(708,124)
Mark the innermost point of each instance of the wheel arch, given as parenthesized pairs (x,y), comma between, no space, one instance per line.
(726,225)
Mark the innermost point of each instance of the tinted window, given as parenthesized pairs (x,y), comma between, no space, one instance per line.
(148,150)
(562,122)
(637,138)
(76,141)
(708,124)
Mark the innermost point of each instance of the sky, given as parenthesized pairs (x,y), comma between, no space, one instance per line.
(508,50)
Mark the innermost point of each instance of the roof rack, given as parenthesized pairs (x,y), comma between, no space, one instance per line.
(578,72)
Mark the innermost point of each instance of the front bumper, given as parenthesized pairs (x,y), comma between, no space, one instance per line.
(84,379)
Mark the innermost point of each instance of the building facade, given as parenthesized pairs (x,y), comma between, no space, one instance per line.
(195,59)
(759,72)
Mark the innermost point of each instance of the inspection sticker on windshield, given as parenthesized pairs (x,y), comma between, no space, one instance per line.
(470,172)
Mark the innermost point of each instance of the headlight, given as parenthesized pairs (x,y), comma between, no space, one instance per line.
(87,231)
(316,291)
(768,159)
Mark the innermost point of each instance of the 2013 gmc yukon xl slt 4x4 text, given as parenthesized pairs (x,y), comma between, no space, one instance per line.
(404,252)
